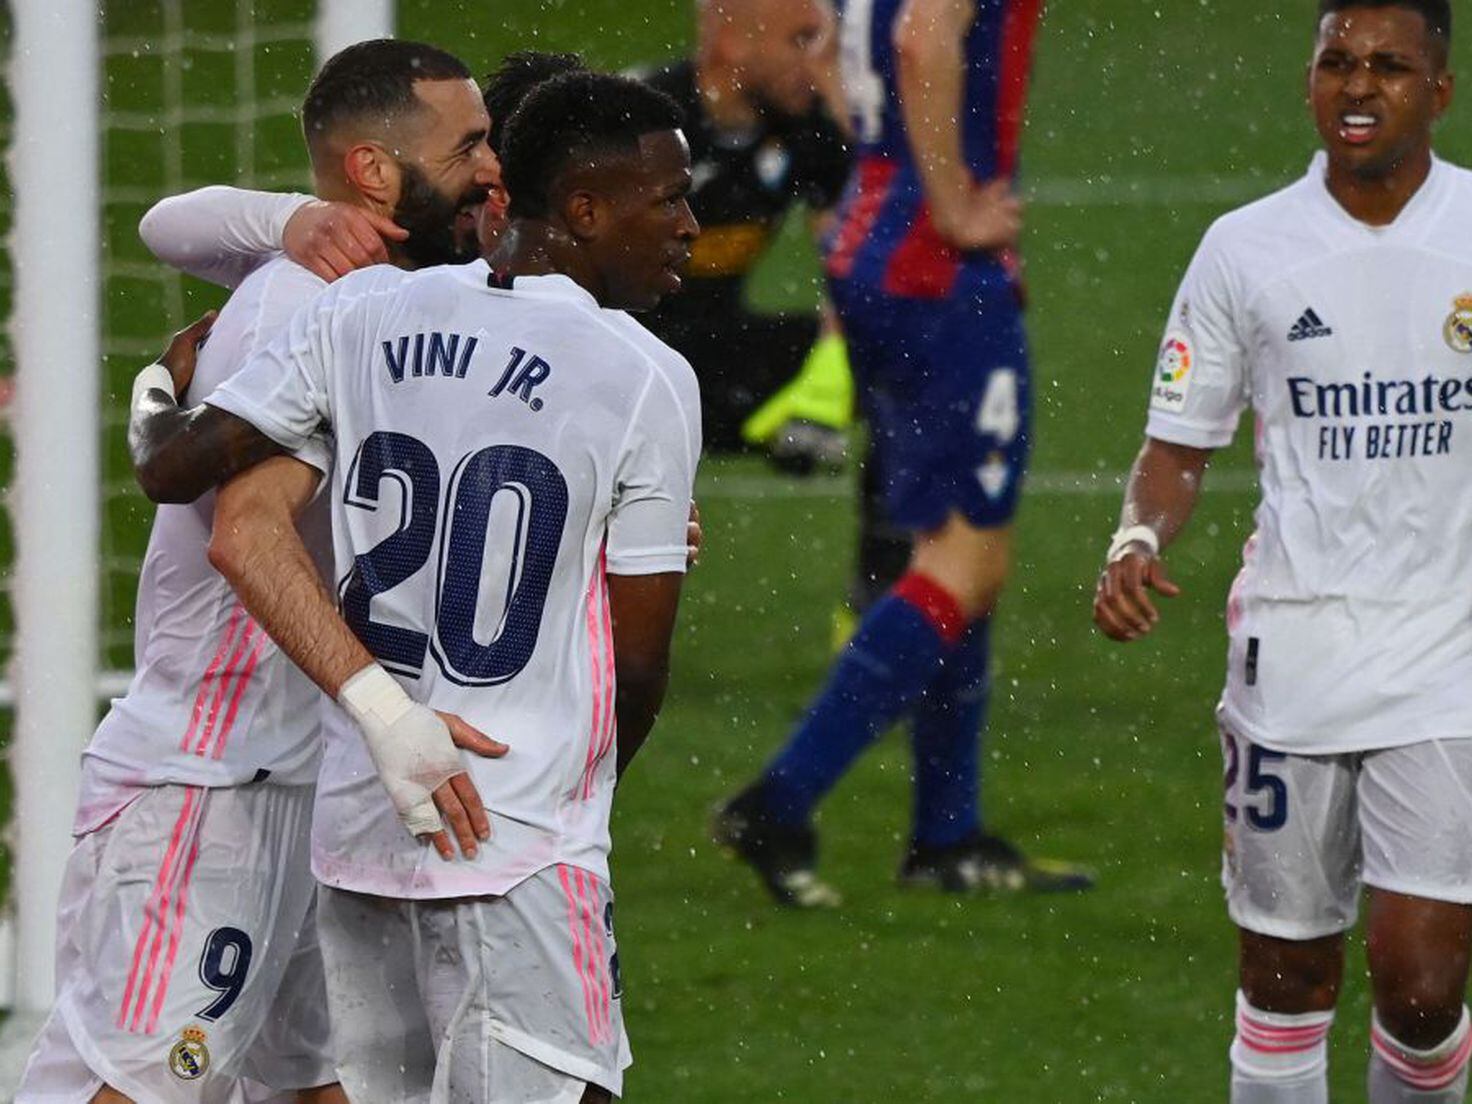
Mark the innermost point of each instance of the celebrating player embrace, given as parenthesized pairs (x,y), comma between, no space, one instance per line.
(1340,311)
(511,466)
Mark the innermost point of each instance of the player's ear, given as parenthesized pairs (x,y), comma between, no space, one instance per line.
(584,212)
(1446,86)
(372,172)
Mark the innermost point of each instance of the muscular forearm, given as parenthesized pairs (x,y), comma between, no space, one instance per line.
(1163,487)
(179,454)
(256,547)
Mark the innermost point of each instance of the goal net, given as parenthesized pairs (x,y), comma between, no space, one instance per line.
(188,93)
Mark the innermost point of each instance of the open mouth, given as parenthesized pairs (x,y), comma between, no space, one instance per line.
(1358,127)
(469,210)
(675,266)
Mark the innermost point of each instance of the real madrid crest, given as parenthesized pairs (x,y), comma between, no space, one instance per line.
(1458,328)
(189,1057)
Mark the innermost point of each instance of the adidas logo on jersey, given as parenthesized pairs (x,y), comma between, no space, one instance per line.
(1309,325)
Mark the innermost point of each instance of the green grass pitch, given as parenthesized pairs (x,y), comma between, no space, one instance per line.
(1148,119)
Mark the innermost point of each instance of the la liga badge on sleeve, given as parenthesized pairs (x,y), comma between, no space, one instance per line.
(1172,373)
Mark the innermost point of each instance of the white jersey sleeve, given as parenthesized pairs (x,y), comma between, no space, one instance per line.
(282,390)
(1200,386)
(219,234)
(655,477)
(287,286)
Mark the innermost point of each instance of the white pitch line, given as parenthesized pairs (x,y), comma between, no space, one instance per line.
(751,488)
(1149,191)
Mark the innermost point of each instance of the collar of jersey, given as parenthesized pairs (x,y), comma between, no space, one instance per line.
(554,285)
(1410,214)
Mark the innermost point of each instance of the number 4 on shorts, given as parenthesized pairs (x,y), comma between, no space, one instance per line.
(998,416)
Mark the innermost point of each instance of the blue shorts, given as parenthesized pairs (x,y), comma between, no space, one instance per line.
(945,388)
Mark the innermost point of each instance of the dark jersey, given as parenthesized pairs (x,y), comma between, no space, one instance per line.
(744,185)
(884,237)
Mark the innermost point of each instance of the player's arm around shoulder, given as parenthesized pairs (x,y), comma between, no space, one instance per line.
(223,234)
(217,233)
(180,453)
(275,403)
(1164,485)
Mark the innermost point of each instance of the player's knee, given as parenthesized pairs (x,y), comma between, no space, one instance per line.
(1420,1007)
(1289,976)
(971,567)
(1419,987)
(595,1094)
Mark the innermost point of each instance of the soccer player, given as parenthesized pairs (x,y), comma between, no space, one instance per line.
(222,234)
(761,141)
(923,272)
(511,482)
(1339,310)
(188,957)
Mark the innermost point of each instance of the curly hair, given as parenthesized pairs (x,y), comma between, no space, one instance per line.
(574,117)
(517,75)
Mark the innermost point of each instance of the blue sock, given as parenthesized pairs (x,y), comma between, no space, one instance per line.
(946,737)
(887,665)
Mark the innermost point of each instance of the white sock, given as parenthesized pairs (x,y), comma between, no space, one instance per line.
(1279,1058)
(1402,1075)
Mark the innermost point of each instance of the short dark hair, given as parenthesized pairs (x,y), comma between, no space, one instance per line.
(517,75)
(374,78)
(1436,13)
(576,115)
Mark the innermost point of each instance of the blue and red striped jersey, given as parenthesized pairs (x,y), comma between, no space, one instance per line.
(883,236)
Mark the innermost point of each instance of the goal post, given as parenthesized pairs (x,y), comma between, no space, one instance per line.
(340,23)
(56,502)
(75,199)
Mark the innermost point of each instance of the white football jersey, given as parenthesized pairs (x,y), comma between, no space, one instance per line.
(212,701)
(1350,623)
(499,453)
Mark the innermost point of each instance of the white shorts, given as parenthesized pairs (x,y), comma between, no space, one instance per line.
(477,1000)
(1305,832)
(187,955)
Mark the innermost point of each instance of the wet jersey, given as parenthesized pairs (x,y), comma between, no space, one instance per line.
(499,452)
(212,701)
(1351,621)
(884,237)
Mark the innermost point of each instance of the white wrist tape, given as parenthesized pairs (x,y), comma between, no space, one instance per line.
(410,745)
(154,376)
(1134,534)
